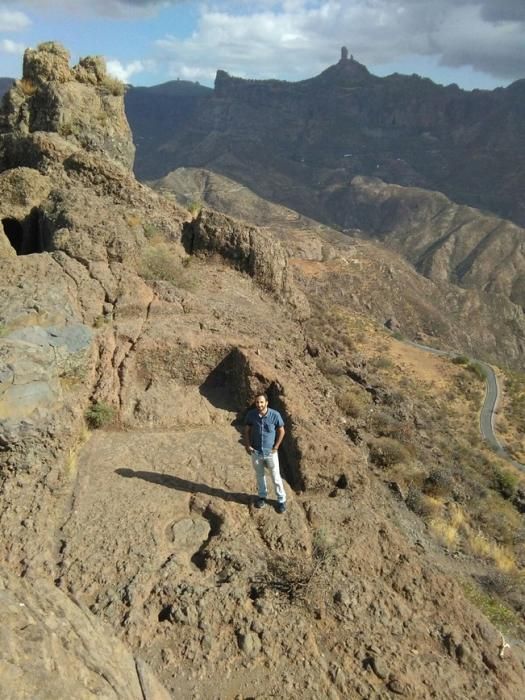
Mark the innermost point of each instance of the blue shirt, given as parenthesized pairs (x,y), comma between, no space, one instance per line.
(262,436)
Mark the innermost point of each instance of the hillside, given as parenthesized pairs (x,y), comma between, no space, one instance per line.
(292,143)
(481,320)
(134,335)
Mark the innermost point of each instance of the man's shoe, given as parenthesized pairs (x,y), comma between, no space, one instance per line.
(260,503)
(281,507)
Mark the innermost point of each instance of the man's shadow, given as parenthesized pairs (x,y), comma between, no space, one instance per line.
(175,482)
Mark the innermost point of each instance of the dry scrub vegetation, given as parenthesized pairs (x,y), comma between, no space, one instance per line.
(418,414)
(511,421)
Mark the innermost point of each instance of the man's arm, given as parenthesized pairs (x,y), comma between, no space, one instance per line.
(247,434)
(280,438)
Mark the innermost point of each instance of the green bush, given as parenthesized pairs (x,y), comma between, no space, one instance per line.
(477,370)
(195,208)
(99,414)
(460,360)
(150,230)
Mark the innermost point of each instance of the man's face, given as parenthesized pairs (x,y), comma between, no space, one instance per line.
(261,404)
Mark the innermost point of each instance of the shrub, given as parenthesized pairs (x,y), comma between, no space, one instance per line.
(323,546)
(382,362)
(114,86)
(159,263)
(195,208)
(477,370)
(439,483)
(385,452)
(99,414)
(28,86)
(505,483)
(330,368)
(424,506)
(350,404)
(150,231)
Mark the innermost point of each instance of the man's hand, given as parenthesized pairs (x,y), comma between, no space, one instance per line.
(249,449)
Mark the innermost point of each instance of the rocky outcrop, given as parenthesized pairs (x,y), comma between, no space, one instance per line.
(81,104)
(250,251)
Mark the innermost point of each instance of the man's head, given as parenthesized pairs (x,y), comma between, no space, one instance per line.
(261,403)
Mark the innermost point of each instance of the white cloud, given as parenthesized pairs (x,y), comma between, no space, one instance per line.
(8,46)
(13,20)
(124,71)
(105,8)
(297,38)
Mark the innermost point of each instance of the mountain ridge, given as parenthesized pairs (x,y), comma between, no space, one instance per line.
(313,134)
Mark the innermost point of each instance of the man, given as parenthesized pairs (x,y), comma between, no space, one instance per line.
(263,434)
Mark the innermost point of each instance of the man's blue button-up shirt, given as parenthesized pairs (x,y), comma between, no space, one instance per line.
(263,428)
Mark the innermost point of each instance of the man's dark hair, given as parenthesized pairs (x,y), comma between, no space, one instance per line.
(261,393)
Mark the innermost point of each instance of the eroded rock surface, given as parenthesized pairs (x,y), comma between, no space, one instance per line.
(53,648)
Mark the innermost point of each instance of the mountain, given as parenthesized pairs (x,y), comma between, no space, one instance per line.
(293,143)
(134,335)
(5,84)
(161,110)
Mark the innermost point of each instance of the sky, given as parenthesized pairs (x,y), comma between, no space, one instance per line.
(474,43)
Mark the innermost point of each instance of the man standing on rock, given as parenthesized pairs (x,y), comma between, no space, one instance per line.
(263,434)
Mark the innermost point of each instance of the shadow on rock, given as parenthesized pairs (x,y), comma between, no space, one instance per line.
(175,482)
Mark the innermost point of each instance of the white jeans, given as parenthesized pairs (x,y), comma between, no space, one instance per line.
(271,460)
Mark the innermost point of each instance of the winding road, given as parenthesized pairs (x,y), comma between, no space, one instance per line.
(488,410)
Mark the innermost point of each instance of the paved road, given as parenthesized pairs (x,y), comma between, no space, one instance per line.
(492,395)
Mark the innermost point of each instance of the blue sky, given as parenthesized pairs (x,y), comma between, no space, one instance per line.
(474,43)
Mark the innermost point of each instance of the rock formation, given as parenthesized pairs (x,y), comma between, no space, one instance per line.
(81,105)
(118,311)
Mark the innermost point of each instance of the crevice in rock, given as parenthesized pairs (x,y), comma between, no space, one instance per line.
(122,366)
(289,454)
(216,522)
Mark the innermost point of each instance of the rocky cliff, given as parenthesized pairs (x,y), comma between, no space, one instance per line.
(133,337)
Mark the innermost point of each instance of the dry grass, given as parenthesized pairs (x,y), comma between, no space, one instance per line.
(28,87)
(159,262)
(445,532)
(512,410)
(502,557)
